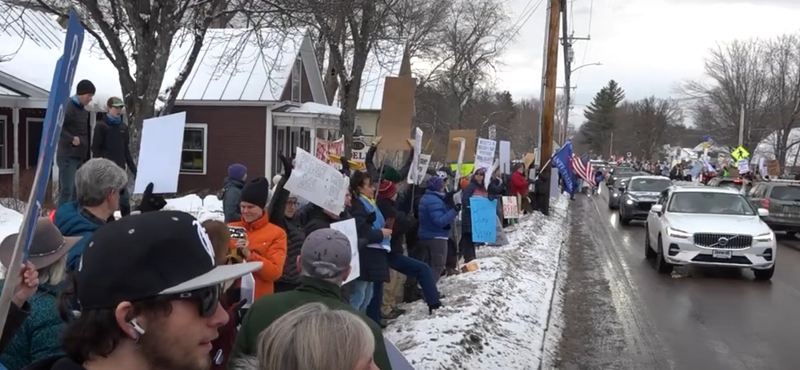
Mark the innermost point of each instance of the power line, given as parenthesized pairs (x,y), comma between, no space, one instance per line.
(527,18)
(586,47)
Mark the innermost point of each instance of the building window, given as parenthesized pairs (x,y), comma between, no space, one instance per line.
(297,80)
(3,142)
(33,138)
(195,149)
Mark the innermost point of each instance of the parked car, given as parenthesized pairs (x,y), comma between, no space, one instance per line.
(782,200)
(709,226)
(640,193)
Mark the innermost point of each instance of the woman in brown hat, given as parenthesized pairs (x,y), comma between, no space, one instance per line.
(39,336)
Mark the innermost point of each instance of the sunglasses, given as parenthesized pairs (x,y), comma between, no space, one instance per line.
(206,298)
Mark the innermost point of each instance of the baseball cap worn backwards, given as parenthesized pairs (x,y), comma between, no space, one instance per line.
(326,254)
(148,255)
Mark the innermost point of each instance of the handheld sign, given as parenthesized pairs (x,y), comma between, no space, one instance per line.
(484,219)
(51,131)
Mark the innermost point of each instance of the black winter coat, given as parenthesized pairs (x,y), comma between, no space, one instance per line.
(374,262)
(294,233)
(398,221)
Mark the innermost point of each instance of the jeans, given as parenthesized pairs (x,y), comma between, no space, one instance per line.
(452,254)
(67,167)
(374,305)
(467,247)
(361,296)
(419,270)
(124,203)
(437,249)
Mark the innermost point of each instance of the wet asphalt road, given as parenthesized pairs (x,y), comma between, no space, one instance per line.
(621,314)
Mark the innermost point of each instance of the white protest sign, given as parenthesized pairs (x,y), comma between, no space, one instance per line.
(422,168)
(744,166)
(348,228)
(505,156)
(161,150)
(318,182)
(484,154)
(510,207)
(414,175)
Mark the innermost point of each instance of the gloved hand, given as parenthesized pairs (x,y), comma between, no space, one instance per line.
(492,197)
(457,207)
(151,202)
(371,218)
(287,166)
(345,165)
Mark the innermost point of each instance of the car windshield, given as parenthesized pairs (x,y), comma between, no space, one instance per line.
(791,193)
(650,185)
(707,202)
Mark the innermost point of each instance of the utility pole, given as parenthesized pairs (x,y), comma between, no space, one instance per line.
(611,146)
(549,103)
(568,56)
(741,126)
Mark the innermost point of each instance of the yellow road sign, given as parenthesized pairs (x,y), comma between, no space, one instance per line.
(705,144)
(740,153)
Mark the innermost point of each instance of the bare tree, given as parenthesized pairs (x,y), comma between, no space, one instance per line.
(783,73)
(475,37)
(739,76)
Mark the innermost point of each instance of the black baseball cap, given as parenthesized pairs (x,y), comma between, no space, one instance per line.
(148,255)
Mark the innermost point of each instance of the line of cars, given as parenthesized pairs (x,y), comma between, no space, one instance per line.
(713,225)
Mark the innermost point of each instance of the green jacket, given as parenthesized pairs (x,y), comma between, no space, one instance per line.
(269,308)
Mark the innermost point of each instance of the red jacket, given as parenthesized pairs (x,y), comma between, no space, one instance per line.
(519,184)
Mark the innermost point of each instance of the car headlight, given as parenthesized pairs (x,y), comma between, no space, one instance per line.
(675,233)
(616,195)
(628,202)
(766,237)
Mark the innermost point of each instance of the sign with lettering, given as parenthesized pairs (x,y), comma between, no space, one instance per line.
(318,182)
(348,228)
(510,207)
(484,219)
(484,154)
(422,168)
(744,166)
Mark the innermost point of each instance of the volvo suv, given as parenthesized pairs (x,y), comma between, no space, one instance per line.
(709,226)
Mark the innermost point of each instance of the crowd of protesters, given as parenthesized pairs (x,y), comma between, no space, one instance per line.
(262,289)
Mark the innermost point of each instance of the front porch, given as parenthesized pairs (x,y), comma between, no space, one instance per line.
(301,127)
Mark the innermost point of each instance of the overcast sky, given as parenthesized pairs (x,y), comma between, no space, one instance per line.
(647,46)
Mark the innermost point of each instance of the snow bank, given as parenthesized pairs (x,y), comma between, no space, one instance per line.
(10,220)
(494,318)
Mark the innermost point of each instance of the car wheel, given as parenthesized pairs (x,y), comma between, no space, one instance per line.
(622,219)
(764,275)
(649,253)
(662,266)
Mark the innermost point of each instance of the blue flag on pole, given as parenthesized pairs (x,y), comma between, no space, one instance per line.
(563,161)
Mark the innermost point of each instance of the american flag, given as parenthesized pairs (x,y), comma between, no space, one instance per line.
(583,168)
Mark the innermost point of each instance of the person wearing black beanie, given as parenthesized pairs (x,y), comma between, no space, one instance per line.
(73,143)
(265,242)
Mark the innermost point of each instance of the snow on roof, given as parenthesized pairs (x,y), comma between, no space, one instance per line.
(316,108)
(7,92)
(238,64)
(32,42)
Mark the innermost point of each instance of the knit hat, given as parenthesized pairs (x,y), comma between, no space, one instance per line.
(256,192)
(325,254)
(237,171)
(435,183)
(387,189)
(85,87)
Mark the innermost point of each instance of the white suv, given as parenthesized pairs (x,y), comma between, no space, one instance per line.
(709,226)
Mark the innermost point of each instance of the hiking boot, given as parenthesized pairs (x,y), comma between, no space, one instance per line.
(395,313)
(451,272)
(434,307)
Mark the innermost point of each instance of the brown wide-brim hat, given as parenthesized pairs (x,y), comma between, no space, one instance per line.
(47,248)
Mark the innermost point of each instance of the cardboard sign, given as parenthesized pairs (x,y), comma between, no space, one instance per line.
(510,207)
(470,137)
(397,111)
(774,168)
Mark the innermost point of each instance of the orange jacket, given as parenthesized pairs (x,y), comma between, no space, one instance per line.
(267,245)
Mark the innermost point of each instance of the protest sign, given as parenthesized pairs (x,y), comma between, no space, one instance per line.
(348,228)
(318,182)
(422,168)
(484,219)
(414,175)
(396,358)
(510,207)
(51,132)
(160,153)
(484,154)
(505,156)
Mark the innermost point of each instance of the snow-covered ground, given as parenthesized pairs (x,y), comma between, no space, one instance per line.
(504,316)
(494,318)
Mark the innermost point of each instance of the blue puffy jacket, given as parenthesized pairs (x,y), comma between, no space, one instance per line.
(434,217)
(71,222)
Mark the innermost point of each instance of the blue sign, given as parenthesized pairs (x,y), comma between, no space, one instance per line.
(53,121)
(706,139)
(563,161)
(484,219)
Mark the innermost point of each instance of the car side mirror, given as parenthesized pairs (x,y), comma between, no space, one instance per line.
(657,208)
(763,212)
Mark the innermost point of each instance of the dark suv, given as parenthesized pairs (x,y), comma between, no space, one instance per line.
(782,199)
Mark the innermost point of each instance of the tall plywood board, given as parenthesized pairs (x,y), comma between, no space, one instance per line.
(469,148)
(397,111)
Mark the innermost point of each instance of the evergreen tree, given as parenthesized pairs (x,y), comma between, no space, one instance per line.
(596,130)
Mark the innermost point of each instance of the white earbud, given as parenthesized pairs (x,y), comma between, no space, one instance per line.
(136,327)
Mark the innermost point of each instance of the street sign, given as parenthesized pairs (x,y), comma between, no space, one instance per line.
(706,144)
(740,153)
